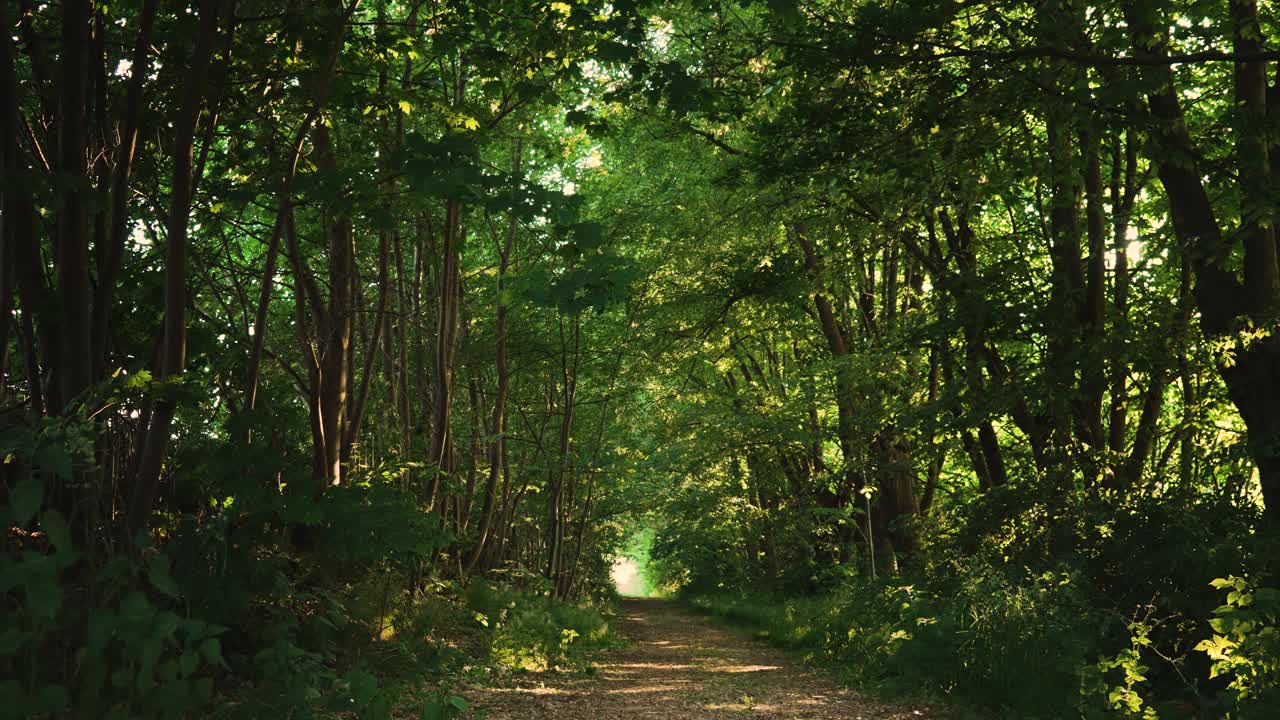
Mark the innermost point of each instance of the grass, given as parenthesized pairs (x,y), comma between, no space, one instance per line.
(864,642)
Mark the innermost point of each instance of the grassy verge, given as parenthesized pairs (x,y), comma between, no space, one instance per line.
(885,643)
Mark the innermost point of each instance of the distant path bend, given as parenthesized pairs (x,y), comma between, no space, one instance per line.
(682,667)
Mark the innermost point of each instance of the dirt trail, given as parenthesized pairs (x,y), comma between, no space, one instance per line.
(679,665)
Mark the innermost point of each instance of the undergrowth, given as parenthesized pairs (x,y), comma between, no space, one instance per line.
(1087,616)
(236,617)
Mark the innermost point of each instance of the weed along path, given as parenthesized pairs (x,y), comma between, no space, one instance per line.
(678,665)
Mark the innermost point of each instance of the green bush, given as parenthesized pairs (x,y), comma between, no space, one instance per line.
(1244,647)
(109,641)
(225,610)
(533,632)
(987,643)
(1037,612)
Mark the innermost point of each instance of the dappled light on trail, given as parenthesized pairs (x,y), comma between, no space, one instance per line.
(709,673)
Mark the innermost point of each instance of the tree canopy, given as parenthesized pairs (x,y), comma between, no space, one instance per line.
(958,316)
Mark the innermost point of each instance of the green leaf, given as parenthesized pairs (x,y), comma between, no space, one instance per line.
(11,640)
(55,528)
(93,675)
(54,457)
(25,499)
(612,51)
(44,597)
(102,624)
(588,235)
(158,574)
(211,649)
(188,662)
(135,608)
(52,699)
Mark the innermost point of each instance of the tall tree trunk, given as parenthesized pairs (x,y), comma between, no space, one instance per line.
(498,427)
(846,390)
(71,352)
(111,254)
(320,94)
(1065,309)
(476,405)
(1093,321)
(1123,193)
(593,469)
(448,297)
(569,358)
(8,206)
(984,451)
(1187,450)
(1253,379)
(371,349)
(174,354)
(334,336)
(264,304)
(409,290)
(1257,215)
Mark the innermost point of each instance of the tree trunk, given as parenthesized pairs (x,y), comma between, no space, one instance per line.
(174,355)
(498,428)
(448,297)
(8,206)
(555,501)
(1123,194)
(1065,309)
(334,333)
(1093,322)
(112,253)
(846,390)
(70,356)
(1253,379)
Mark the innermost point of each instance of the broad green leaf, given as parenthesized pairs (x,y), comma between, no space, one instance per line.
(25,499)
(158,574)
(55,527)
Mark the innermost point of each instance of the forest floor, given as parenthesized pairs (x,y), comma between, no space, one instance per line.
(679,665)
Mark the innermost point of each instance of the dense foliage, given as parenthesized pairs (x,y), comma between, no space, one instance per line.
(304,331)
(344,345)
(970,385)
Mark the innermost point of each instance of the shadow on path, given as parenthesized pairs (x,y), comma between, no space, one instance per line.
(681,666)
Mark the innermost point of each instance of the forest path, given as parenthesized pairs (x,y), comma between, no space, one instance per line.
(679,665)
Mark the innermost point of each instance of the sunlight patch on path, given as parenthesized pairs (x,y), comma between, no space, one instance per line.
(707,673)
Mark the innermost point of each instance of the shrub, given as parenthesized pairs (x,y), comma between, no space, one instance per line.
(533,632)
(1076,611)
(1245,647)
(112,639)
